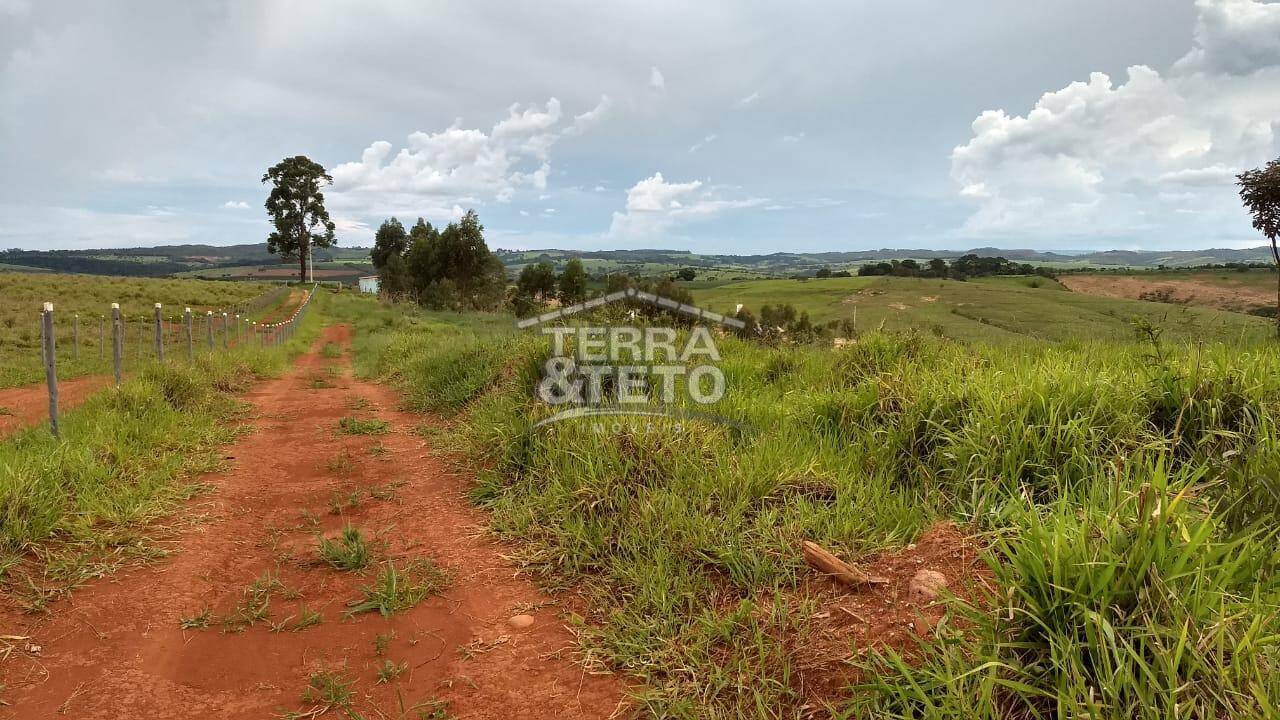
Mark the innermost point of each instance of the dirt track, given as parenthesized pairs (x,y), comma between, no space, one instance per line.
(1235,298)
(115,649)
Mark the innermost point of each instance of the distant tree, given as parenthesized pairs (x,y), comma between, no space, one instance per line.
(616,281)
(391,239)
(422,259)
(297,211)
(453,268)
(937,268)
(1260,191)
(573,283)
(537,280)
(823,272)
(393,276)
(686,274)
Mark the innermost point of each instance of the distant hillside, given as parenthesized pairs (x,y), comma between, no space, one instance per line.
(253,261)
(778,263)
(165,260)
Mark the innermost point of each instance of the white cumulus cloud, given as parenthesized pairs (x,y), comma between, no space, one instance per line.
(1106,157)
(438,172)
(655,206)
(236,205)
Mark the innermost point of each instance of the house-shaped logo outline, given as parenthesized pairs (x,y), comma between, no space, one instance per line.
(641,295)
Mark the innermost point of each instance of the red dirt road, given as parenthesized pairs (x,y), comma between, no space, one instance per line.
(115,648)
(23,406)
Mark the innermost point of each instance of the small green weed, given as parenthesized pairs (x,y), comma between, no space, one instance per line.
(347,552)
(199,621)
(316,382)
(400,588)
(327,691)
(389,670)
(341,464)
(338,501)
(352,425)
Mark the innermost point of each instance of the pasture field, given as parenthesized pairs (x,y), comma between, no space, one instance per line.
(22,296)
(995,309)
(1104,513)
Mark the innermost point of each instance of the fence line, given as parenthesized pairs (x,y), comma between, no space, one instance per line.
(264,335)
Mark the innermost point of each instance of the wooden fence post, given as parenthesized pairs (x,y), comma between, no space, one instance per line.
(75,337)
(208,327)
(50,366)
(226,332)
(117,339)
(159,334)
(191,351)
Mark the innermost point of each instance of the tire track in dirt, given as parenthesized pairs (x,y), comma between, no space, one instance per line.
(115,648)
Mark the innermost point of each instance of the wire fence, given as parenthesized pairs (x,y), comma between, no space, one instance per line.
(131,340)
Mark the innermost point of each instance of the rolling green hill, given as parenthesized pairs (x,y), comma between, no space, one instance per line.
(999,309)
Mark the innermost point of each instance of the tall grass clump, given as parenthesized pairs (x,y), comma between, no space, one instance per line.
(1132,550)
(1137,604)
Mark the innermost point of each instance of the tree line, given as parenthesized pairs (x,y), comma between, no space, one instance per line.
(961,268)
(449,269)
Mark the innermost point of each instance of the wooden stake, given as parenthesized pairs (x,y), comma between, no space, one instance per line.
(819,559)
(117,340)
(50,367)
(159,334)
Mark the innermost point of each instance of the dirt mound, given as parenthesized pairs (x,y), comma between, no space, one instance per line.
(1202,293)
(885,616)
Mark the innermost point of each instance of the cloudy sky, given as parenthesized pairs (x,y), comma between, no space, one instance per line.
(718,126)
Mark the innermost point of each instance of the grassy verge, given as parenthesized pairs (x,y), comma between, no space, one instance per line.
(73,508)
(1126,495)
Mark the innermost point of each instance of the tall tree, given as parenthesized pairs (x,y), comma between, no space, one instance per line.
(1260,191)
(391,239)
(537,280)
(573,283)
(422,260)
(297,211)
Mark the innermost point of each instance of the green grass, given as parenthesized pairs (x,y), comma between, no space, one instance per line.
(348,552)
(80,506)
(400,588)
(22,296)
(1126,494)
(389,670)
(1003,310)
(351,425)
(327,690)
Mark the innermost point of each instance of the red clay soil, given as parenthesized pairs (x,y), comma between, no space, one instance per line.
(29,405)
(115,648)
(851,622)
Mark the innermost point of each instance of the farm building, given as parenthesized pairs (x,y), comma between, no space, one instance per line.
(369,284)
